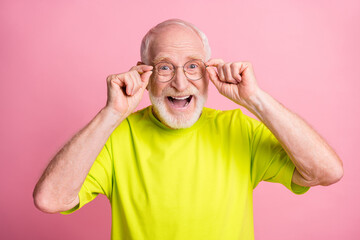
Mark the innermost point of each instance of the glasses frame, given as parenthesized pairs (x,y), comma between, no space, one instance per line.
(176,67)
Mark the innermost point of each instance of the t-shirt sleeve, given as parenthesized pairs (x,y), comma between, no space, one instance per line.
(98,180)
(270,162)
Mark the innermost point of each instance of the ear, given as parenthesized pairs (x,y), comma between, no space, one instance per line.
(140,63)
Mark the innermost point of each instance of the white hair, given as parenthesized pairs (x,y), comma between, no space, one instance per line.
(146,41)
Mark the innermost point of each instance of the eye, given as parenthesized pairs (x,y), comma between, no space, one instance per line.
(164,68)
(193,65)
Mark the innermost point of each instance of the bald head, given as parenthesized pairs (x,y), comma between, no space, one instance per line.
(166,30)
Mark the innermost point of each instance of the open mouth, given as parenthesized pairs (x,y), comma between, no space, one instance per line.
(180,102)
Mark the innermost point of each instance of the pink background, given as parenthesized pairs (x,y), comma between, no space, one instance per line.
(55,56)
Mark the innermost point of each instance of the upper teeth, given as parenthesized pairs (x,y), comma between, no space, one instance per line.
(180,98)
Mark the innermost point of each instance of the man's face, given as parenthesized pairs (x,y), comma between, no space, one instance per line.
(179,102)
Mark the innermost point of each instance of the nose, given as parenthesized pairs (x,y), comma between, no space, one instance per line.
(180,81)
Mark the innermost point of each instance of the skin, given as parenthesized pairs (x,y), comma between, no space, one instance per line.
(57,189)
(316,163)
(177,45)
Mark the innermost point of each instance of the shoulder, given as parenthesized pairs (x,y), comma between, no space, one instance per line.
(133,119)
(221,114)
(139,115)
(232,117)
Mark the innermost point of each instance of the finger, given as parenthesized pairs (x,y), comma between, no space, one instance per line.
(218,63)
(135,77)
(146,76)
(235,71)
(115,82)
(128,83)
(115,86)
(142,68)
(247,69)
(215,62)
(221,72)
(228,74)
(141,81)
(214,77)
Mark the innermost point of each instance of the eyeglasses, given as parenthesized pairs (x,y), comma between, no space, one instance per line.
(193,70)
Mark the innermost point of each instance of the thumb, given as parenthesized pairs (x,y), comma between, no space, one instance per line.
(145,79)
(214,77)
(215,62)
(145,76)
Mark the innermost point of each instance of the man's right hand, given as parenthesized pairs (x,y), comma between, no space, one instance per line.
(125,90)
(58,188)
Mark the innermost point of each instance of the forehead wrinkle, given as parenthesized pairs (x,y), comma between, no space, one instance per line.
(176,42)
(180,48)
(173,44)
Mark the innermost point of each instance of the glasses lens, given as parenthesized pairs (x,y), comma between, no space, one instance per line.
(165,71)
(194,69)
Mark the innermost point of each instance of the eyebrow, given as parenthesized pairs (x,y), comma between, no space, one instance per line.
(168,59)
(160,59)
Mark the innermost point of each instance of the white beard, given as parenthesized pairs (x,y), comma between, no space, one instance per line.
(183,120)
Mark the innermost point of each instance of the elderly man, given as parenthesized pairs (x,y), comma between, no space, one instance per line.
(178,170)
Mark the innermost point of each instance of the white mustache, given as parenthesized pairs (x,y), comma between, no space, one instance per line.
(174,93)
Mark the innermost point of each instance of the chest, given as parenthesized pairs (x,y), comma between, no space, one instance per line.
(184,175)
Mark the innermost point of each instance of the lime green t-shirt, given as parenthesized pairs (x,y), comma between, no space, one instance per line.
(194,183)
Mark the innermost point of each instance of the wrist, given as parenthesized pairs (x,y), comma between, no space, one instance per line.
(111,116)
(257,103)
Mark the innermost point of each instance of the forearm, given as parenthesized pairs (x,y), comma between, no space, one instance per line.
(60,183)
(314,159)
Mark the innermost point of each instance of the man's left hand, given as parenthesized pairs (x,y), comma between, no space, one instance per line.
(234,80)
